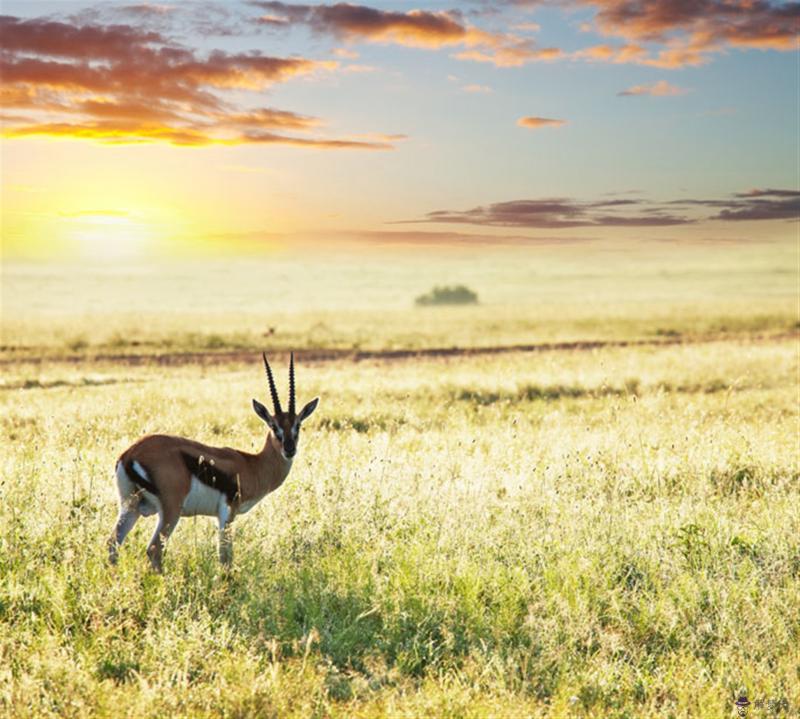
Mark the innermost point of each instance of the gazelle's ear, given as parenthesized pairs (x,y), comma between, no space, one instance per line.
(305,413)
(262,412)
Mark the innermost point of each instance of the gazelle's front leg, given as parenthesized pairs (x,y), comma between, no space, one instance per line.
(225,516)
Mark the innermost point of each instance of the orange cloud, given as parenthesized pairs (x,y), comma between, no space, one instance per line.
(690,32)
(267,117)
(657,33)
(510,54)
(614,54)
(148,9)
(345,53)
(534,123)
(415,28)
(117,83)
(659,89)
(125,132)
(112,132)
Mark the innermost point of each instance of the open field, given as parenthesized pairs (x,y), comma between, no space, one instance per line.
(591,531)
(364,302)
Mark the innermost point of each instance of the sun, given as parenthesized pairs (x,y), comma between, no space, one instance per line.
(109,235)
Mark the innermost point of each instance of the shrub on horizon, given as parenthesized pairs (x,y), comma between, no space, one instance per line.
(456,295)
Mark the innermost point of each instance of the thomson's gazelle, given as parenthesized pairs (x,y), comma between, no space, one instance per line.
(177,477)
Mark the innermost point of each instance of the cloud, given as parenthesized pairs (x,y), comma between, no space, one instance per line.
(63,40)
(267,117)
(756,204)
(177,20)
(478,89)
(414,237)
(556,213)
(513,53)
(147,9)
(689,32)
(534,123)
(559,212)
(615,54)
(655,33)
(381,137)
(414,28)
(357,68)
(119,83)
(345,53)
(659,89)
(411,239)
(128,132)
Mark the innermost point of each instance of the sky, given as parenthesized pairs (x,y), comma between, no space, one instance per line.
(133,129)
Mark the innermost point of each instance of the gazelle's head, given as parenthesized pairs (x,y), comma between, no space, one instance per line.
(284,425)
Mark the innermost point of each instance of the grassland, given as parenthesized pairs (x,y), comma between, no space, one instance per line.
(365,302)
(611,532)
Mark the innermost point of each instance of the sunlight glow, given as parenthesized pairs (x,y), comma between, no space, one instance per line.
(109,235)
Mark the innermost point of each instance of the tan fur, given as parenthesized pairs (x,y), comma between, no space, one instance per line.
(257,475)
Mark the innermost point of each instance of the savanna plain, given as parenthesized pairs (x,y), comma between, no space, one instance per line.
(589,506)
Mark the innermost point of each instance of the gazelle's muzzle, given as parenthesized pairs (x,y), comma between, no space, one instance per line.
(289,448)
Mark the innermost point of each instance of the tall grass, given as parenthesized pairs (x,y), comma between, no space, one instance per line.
(608,534)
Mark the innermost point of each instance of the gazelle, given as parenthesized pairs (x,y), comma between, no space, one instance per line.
(177,477)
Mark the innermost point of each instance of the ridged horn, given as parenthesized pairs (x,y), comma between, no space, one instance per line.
(276,403)
(291,384)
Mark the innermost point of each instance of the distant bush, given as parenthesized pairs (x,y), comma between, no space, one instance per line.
(456,295)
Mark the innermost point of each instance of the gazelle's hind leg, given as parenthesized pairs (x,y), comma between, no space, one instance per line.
(129,501)
(167,521)
(128,515)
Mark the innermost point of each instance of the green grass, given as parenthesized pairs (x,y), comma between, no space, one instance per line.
(613,533)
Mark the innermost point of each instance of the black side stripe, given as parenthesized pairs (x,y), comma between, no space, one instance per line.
(139,479)
(212,476)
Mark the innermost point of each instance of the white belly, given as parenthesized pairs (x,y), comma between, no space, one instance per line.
(202,499)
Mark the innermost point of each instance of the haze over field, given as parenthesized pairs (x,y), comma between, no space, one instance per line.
(531,294)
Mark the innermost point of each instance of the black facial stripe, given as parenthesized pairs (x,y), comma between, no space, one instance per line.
(211,476)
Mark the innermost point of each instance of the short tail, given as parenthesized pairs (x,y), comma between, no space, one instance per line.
(138,474)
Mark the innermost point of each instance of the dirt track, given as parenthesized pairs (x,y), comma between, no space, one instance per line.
(331,355)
